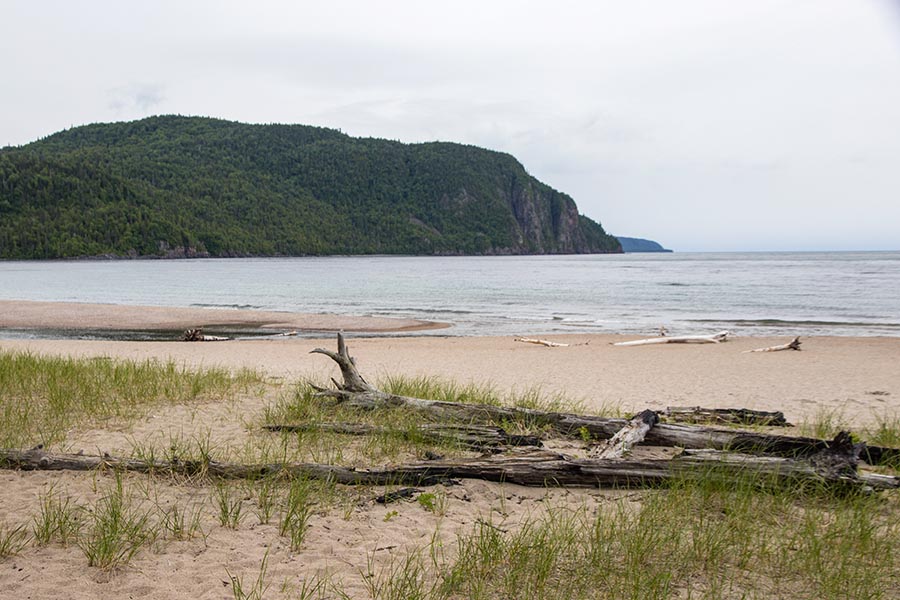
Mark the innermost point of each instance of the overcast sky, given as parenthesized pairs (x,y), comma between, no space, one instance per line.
(705,125)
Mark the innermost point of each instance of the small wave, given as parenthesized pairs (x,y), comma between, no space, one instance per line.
(798,323)
(435,311)
(227,306)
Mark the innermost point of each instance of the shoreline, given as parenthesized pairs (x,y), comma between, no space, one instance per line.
(851,376)
(31,315)
(848,379)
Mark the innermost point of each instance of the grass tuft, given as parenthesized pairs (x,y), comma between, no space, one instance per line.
(116,530)
(59,520)
(13,539)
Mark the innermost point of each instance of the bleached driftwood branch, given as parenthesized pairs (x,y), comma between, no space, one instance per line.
(542,342)
(619,445)
(794,344)
(717,338)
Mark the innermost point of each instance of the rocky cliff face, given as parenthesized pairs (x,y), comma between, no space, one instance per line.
(548,223)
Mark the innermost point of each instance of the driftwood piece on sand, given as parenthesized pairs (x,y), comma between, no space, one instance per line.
(478,437)
(794,344)
(197,335)
(717,338)
(572,425)
(536,468)
(633,433)
(737,416)
(540,342)
(353,381)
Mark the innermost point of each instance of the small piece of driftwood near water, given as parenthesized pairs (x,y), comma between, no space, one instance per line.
(356,392)
(542,342)
(794,344)
(717,338)
(196,335)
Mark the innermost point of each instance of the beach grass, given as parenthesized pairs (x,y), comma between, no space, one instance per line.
(698,537)
(694,539)
(42,398)
(116,528)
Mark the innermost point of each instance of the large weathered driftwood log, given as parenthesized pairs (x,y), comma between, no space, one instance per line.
(737,416)
(478,437)
(356,392)
(536,468)
(717,338)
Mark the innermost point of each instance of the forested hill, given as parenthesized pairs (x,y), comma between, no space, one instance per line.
(176,186)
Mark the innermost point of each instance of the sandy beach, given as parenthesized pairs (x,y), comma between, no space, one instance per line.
(857,378)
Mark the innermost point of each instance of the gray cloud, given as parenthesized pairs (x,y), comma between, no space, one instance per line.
(131,97)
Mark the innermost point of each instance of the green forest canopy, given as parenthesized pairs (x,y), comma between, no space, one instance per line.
(173,185)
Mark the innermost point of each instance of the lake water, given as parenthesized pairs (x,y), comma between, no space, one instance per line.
(842,293)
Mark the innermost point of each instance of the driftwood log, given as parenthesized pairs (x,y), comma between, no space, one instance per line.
(539,342)
(197,335)
(477,437)
(736,416)
(717,338)
(356,392)
(619,445)
(794,344)
(536,468)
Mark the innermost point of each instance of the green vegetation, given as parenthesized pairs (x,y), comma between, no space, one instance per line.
(175,186)
(116,530)
(42,398)
(701,537)
(12,539)
(698,539)
(256,591)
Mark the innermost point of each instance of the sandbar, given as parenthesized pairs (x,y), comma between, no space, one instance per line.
(27,314)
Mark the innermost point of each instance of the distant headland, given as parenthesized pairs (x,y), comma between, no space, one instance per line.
(173,186)
(630,244)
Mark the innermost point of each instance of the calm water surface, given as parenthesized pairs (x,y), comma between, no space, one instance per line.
(841,293)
